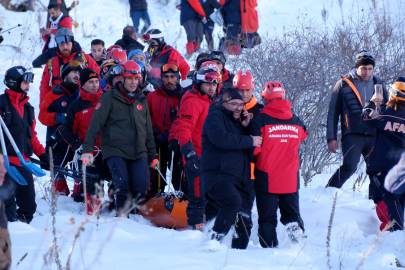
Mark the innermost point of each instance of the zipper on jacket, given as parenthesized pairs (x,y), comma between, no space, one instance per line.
(347,122)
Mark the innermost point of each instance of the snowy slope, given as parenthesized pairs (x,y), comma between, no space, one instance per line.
(112,243)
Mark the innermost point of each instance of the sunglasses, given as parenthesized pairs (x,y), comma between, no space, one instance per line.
(211,77)
(167,67)
(63,39)
(28,77)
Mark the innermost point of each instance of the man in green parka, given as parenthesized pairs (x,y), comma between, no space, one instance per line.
(122,116)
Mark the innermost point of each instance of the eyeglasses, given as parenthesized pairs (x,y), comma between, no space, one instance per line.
(211,77)
(236,105)
(28,77)
(63,39)
(168,66)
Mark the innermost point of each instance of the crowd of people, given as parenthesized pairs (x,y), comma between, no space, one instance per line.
(125,115)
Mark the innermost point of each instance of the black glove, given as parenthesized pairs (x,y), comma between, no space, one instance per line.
(45,159)
(174,145)
(1,38)
(162,139)
(76,145)
(53,140)
(193,162)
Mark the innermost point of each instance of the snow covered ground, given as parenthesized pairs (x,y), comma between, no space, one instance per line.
(114,243)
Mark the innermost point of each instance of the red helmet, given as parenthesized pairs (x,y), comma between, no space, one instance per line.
(112,47)
(272,90)
(117,54)
(243,79)
(208,73)
(130,69)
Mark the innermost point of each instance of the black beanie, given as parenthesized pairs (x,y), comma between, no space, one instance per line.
(87,74)
(364,58)
(230,94)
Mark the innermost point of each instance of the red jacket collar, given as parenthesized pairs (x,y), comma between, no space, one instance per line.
(199,94)
(17,98)
(86,96)
(225,75)
(279,109)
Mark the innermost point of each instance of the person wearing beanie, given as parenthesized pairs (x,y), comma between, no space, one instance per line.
(67,50)
(277,166)
(159,53)
(52,113)
(19,117)
(73,132)
(225,162)
(349,97)
(163,105)
(218,58)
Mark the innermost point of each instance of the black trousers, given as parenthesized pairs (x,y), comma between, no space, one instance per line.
(267,205)
(234,209)
(394,203)
(232,34)
(130,179)
(196,200)
(208,28)
(15,195)
(194,31)
(44,57)
(61,158)
(353,146)
(165,160)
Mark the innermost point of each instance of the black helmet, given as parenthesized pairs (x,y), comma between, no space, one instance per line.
(154,34)
(15,75)
(112,73)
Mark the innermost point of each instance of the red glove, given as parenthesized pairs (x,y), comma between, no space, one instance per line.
(87,159)
(154,164)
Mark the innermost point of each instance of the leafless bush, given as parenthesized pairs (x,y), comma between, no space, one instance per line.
(332,214)
(309,58)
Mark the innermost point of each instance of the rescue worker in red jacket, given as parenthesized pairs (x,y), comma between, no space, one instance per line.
(19,117)
(56,21)
(218,58)
(163,104)
(52,113)
(277,166)
(159,53)
(188,127)
(68,50)
(73,132)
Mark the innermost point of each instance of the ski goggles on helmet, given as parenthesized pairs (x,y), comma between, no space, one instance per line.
(114,70)
(28,77)
(211,77)
(134,71)
(73,65)
(170,66)
(63,39)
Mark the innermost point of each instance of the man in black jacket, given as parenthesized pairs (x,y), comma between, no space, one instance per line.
(348,100)
(225,163)
(128,41)
(139,10)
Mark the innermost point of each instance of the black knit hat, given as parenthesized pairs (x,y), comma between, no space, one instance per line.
(217,55)
(67,68)
(231,94)
(364,58)
(87,74)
